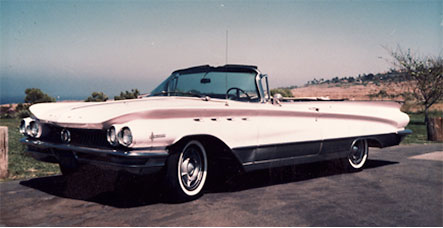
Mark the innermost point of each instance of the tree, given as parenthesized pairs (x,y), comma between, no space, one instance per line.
(335,80)
(426,75)
(97,97)
(128,95)
(34,96)
(368,77)
(351,79)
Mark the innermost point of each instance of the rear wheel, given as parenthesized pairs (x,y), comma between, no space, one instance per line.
(358,154)
(187,172)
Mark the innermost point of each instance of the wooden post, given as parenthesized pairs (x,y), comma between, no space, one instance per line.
(436,129)
(3,152)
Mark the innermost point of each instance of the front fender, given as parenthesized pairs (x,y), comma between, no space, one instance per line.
(233,132)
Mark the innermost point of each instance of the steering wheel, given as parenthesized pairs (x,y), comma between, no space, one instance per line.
(237,94)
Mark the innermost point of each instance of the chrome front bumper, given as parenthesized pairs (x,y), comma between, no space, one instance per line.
(404,132)
(136,161)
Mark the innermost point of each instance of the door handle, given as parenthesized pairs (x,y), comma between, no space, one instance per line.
(314,109)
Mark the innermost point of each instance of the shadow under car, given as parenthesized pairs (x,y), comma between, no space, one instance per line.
(127,191)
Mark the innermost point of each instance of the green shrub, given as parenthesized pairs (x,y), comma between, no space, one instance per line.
(6,112)
(283,91)
(23,113)
(128,95)
(97,97)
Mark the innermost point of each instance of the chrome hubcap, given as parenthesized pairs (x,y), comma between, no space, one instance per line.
(191,164)
(358,151)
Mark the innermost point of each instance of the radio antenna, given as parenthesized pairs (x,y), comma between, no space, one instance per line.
(226,74)
(226,46)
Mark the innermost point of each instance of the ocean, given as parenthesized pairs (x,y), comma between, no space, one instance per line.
(20,99)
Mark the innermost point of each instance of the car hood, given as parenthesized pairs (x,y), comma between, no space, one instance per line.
(100,115)
(97,114)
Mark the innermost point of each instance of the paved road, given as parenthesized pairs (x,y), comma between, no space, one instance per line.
(402,186)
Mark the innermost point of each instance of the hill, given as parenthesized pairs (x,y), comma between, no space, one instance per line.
(379,90)
(352,91)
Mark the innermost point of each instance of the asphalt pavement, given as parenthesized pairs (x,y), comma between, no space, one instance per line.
(400,186)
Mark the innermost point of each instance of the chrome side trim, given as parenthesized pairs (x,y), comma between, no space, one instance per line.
(282,154)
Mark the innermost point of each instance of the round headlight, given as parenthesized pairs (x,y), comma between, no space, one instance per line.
(112,136)
(28,130)
(125,137)
(33,129)
(22,128)
(65,136)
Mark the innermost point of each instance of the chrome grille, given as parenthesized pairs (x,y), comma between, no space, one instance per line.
(81,137)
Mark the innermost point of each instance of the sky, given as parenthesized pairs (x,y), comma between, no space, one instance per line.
(72,48)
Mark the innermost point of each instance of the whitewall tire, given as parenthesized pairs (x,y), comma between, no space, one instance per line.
(187,171)
(357,156)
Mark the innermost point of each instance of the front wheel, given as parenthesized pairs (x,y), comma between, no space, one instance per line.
(358,154)
(68,163)
(187,171)
(67,170)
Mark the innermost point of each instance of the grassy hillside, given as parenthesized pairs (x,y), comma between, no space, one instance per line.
(20,165)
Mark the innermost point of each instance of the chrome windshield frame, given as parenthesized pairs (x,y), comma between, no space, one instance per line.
(258,80)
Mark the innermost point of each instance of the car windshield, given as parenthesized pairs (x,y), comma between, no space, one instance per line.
(239,86)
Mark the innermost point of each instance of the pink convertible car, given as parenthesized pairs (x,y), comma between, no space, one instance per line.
(202,118)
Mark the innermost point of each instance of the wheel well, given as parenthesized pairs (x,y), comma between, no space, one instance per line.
(220,156)
(374,143)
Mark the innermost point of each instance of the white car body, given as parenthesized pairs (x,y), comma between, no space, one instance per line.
(261,134)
